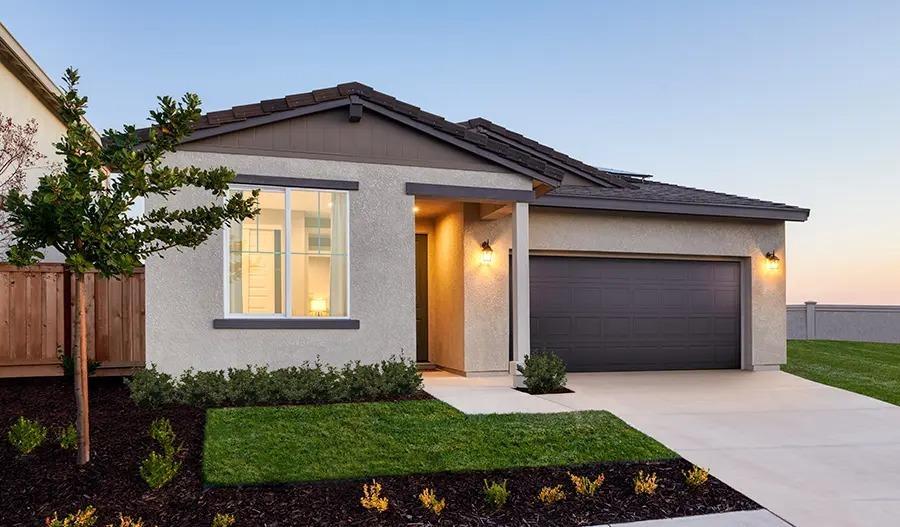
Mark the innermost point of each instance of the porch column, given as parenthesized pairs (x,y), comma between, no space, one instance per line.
(521,286)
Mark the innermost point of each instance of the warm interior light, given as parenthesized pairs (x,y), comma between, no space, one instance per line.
(415,209)
(487,254)
(772,261)
(318,306)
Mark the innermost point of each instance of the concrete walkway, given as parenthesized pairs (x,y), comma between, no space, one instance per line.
(812,454)
(760,518)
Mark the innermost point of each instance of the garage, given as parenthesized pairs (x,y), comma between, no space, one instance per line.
(620,314)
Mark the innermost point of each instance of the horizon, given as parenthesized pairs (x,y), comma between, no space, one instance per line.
(796,104)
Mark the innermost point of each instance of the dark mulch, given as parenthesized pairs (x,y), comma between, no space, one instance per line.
(34,487)
(557,390)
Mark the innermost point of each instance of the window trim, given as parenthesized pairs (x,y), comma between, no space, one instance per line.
(288,297)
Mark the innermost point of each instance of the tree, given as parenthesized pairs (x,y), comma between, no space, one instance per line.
(18,153)
(82,211)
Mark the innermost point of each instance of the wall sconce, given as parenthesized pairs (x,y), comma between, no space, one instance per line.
(487,254)
(318,307)
(772,261)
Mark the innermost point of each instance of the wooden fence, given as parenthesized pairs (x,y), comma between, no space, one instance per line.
(36,307)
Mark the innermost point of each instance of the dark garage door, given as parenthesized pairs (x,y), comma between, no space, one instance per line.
(610,314)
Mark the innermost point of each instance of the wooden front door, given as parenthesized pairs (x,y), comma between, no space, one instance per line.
(421,297)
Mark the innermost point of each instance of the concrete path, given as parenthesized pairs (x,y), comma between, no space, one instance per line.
(812,454)
(760,518)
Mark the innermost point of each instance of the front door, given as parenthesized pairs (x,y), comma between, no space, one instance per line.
(421,297)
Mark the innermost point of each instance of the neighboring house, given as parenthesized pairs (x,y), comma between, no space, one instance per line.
(371,243)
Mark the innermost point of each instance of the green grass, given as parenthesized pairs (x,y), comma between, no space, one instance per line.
(863,367)
(343,441)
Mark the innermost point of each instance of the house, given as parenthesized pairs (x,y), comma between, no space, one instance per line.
(387,230)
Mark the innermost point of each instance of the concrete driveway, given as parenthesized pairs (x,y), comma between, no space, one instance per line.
(812,454)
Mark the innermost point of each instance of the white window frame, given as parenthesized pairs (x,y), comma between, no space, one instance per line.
(288,297)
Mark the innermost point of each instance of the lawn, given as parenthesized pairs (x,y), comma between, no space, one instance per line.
(863,367)
(305,443)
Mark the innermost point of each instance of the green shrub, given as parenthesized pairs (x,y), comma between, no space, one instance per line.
(26,435)
(161,432)
(150,387)
(67,437)
(67,363)
(158,469)
(544,372)
(310,383)
(223,520)
(496,494)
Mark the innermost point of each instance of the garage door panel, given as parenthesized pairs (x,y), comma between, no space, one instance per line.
(604,314)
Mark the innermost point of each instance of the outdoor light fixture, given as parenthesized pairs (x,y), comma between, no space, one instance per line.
(318,306)
(772,260)
(487,254)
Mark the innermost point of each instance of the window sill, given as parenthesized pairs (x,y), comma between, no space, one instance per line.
(285,323)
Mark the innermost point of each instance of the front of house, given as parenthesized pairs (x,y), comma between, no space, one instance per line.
(385,230)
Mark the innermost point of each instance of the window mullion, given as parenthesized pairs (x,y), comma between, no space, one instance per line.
(288,294)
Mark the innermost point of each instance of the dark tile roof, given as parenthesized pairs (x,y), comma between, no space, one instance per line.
(658,192)
(609,176)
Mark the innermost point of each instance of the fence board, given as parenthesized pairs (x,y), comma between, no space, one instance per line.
(34,319)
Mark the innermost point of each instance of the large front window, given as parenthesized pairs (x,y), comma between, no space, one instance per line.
(291,259)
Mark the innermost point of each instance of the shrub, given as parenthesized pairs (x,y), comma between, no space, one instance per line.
(309,383)
(372,498)
(544,372)
(67,363)
(67,437)
(82,518)
(585,485)
(431,502)
(161,432)
(496,494)
(127,521)
(550,495)
(158,469)
(26,435)
(223,520)
(645,484)
(150,387)
(696,476)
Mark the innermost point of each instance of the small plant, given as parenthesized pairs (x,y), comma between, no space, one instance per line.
(585,485)
(551,495)
(696,476)
(222,520)
(26,435)
(161,431)
(372,498)
(431,502)
(67,437)
(150,387)
(158,469)
(496,494)
(645,484)
(127,521)
(544,372)
(67,363)
(82,518)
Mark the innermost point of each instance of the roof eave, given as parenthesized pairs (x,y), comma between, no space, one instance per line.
(662,207)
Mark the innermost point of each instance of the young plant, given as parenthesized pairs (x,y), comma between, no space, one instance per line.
(83,212)
(430,501)
(372,498)
(645,484)
(496,494)
(128,521)
(161,431)
(67,437)
(551,495)
(67,363)
(26,435)
(585,485)
(158,469)
(82,518)
(223,520)
(544,372)
(696,476)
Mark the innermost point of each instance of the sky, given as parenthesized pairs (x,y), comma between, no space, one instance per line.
(794,102)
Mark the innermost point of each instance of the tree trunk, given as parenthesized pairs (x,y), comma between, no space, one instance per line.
(80,352)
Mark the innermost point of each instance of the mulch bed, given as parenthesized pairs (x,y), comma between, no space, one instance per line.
(557,390)
(47,481)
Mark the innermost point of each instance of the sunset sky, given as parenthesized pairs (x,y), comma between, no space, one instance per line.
(793,102)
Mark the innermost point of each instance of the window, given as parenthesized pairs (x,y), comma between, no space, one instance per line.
(290,260)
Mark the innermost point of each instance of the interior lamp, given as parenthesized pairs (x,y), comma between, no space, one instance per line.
(772,261)
(318,306)
(487,254)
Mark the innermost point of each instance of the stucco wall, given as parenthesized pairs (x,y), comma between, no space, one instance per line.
(185,290)
(620,234)
(844,322)
(447,343)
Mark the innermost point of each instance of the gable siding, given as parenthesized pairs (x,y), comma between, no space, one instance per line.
(329,135)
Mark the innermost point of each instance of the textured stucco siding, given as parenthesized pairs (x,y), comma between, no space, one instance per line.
(844,322)
(185,290)
(447,346)
(670,235)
